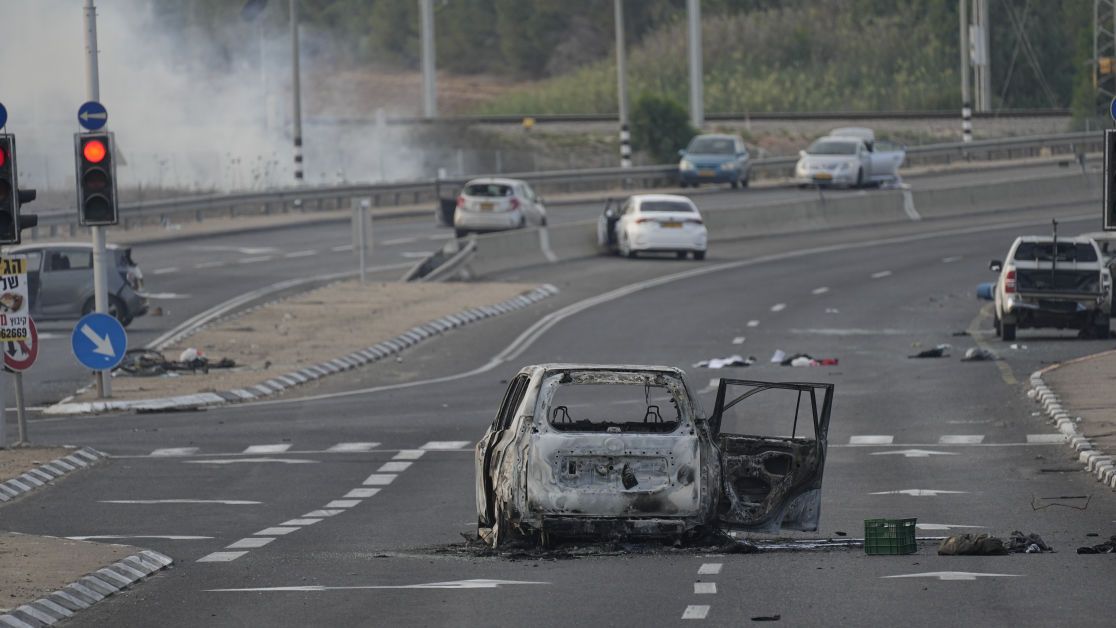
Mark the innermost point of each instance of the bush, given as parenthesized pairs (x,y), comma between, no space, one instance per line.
(660,126)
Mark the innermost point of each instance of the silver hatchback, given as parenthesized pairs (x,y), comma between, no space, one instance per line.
(60,281)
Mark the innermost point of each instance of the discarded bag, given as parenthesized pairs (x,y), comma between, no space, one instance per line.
(732,360)
(939,351)
(1019,543)
(972,545)
(977,354)
(1108,547)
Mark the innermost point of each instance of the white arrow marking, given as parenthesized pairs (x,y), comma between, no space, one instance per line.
(914,453)
(920,492)
(457,584)
(778,307)
(881,274)
(103,345)
(228,502)
(956,575)
(879,439)
(85,115)
(238,460)
(942,526)
(169,537)
(753,323)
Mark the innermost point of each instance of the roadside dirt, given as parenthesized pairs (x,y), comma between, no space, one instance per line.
(307,329)
(16,462)
(1085,388)
(33,566)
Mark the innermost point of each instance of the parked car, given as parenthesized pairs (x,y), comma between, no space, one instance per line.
(1106,242)
(715,159)
(1046,282)
(580,450)
(850,157)
(496,205)
(653,222)
(60,281)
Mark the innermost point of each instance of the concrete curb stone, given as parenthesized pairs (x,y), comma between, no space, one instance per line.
(86,591)
(280,383)
(1100,464)
(46,473)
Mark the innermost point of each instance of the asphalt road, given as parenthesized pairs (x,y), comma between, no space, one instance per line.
(373,540)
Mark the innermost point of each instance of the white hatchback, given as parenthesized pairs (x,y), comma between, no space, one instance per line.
(653,222)
(492,204)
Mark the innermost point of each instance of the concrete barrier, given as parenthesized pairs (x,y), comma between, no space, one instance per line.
(1005,194)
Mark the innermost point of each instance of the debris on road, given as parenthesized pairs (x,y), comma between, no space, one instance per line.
(732,360)
(977,354)
(972,545)
(151,363)
(940,351)
(801,359)
(1019,543)
(1108,547)
(767,618)
(1018,347)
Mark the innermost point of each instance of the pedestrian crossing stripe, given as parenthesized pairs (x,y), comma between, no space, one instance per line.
(446,444)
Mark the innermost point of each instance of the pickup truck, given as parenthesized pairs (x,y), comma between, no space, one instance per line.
(1057,283)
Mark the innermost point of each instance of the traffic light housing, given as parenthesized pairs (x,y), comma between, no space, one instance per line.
(96,179)
(11,197)
(1109,180)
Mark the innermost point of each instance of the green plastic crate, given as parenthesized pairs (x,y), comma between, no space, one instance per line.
(889,537)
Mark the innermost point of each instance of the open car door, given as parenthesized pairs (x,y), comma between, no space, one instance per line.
(772,442)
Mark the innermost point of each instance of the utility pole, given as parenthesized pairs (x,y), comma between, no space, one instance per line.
(100,279)
(429,85)
(622,87)
(296,89)
(697,101)
(966,81)
(981,56)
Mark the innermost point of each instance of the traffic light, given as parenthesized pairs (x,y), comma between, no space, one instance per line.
(9,192)
(1110,180)
(96,179)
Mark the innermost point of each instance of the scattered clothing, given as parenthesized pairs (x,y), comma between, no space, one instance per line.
(1020,543)
(719,363)
(972,545)
(149,363)
(977,354)
(778,356)
(1108,547)
(939,351)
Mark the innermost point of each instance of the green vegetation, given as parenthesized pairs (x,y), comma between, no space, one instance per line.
(660,127)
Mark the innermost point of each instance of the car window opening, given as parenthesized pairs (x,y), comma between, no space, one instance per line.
(1044,252)
(711,146)
(822,147)
(492,190)
(665,206)
(620,407)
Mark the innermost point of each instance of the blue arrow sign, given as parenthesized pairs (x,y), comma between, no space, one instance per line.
(92,115)
(3,115)
(98,341)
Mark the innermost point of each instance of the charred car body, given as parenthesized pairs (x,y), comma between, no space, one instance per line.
(579,450)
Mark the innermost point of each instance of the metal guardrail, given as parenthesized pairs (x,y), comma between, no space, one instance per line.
(307,199)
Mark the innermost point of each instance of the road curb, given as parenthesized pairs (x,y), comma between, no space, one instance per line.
(280,383)
(86,591)
(1097,463)
(46,473)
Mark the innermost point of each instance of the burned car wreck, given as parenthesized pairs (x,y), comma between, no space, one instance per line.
(625,451)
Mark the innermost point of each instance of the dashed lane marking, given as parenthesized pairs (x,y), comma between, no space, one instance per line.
(710,569)
(267,449)
(414,254)
(1046,438)
(306,253)
(323,513)
(165,271)
(951,259)
(276,531)
(871,440)
(255,260)
(408,454)
(398,241)
(393,467)
(821,290)
(252,460)
(739,340)
(753,323)
(920,492)
(211,264)
(362,493)
(251,542)
(380,479)
(167,537)
(353,447)
(456,584)
(221,557)
(299,522)
(778,307)
(913,453)
(696,611)
(343,503)
(446,444)
(343,247)
(224,502)
(705,588)
(881,274)
(955,575)
(175,451)
(961,439)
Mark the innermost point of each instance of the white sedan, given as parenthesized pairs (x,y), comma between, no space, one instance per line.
(849,157)
(653,222)
(493,204)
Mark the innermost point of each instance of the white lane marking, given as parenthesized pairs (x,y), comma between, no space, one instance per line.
(439,236)
(913,453)
(821,290)
(397,241)
(920,492)
(696,611)
(739,340)
(881,274)
(221,557)
(456,584)
(951,259)
(705,588)
(753,323)
(254,260)
(226,502)
(48,336)
(961,439)
(408,454)
(164,296)
(343,247)
(854,331)
(251,542)
(343,503)
(955,575)
(942,526)
(167,537)
(276,531)
(393,467)
(446,444)
(213,264)
(414,254)
(362,493)
(243,250)
(778,307)
(353,447)
(239,460)
(306,253)
(267,449)
(164,271)
(299,522)
(379,479)
(323,513)
(871,440)
(175,451)
(710,569)
(1046,438)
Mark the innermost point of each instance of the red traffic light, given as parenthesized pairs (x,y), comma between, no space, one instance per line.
(94,151)
(3,156)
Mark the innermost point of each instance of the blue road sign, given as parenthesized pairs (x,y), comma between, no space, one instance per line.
(92,115)
(3,115)
(98,341)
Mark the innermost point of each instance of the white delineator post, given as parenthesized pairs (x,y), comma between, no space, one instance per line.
(622,87)
(966,82)
(100,280)
(296,96)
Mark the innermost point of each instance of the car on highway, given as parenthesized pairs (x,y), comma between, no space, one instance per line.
(1051,282)
(60,281)
(1106,242)
(715,158)
(496,204)
(606,451)
(850,157)
(653,223)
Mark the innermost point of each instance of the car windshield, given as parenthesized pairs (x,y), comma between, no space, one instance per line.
(665,206)
(1044,252)
(711,146)
(488,189)
(597,401)
(829,147)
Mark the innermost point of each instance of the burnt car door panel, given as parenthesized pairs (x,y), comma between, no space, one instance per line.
(491,448)
(772,474)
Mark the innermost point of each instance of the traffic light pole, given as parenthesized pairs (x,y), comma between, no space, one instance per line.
(100,281)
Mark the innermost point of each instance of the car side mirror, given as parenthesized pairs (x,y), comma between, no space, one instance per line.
(681,152)
(995,266)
